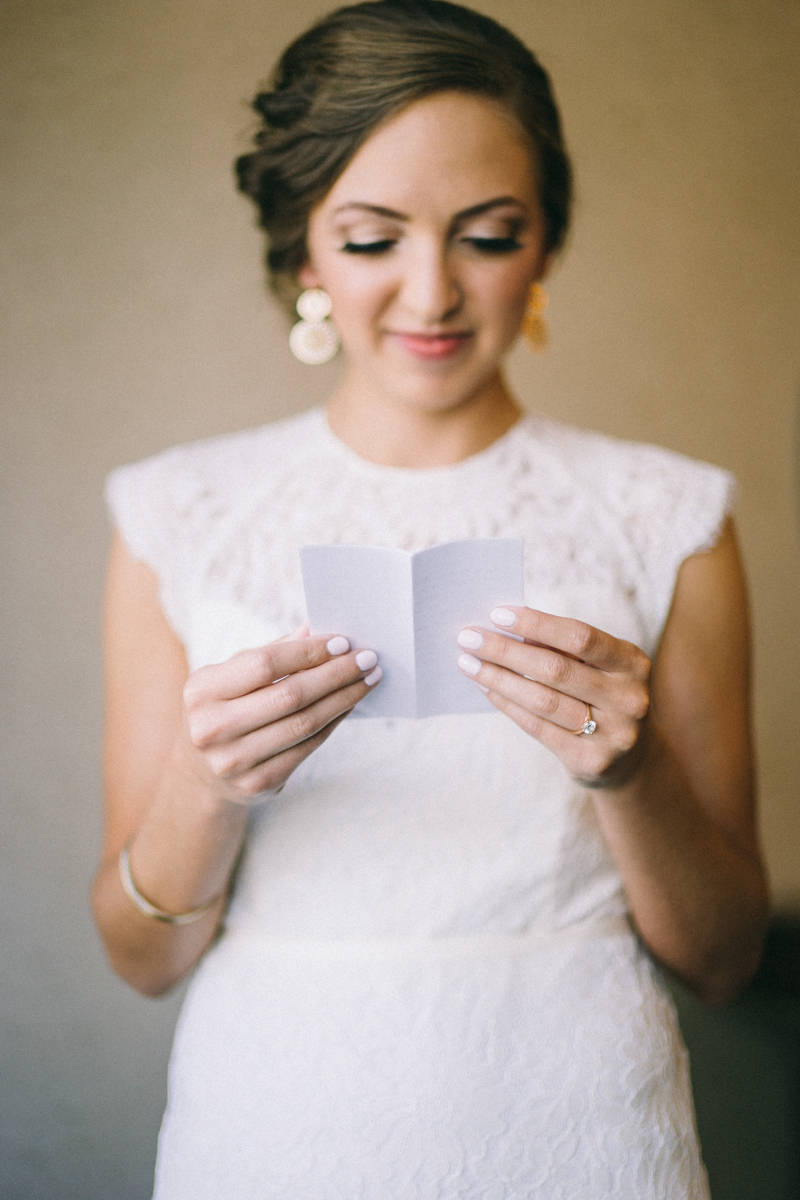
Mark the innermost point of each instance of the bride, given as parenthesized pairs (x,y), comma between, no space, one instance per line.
(428,949)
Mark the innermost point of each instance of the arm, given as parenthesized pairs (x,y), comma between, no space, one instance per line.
(185,756)
(672,779)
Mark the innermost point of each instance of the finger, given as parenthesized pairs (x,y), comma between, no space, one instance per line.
(294,693)
(623,695)
(257,668)
(576,638)
(566,711)
(301,632)
(582,756)
(271,775)
(298,696)
(541,664)
(224,720)
(234,759)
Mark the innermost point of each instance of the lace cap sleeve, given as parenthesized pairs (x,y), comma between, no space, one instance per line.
(144,502)
(671,507)
(174,509)
(651,508)
(170,507)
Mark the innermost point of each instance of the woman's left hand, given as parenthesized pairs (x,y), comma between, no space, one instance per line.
(679,818)
(566,677)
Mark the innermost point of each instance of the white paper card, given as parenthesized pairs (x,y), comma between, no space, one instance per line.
(410,608)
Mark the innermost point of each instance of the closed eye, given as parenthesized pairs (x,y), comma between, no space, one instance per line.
(498,245)
(368,247)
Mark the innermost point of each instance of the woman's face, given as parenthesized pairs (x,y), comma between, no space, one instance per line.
(427,244)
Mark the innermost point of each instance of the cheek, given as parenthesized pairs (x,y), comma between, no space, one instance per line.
(358,296)
(503,296)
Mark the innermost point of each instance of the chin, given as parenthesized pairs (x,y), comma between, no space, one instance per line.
(438,390)
(434,400)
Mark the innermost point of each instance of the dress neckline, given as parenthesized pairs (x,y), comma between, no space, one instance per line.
(472,463)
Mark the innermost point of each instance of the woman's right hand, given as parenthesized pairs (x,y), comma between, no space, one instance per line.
(252,720)
(186,754)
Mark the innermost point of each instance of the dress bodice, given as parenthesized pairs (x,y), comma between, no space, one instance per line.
(450,825)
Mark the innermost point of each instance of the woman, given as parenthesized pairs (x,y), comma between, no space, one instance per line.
(427,983)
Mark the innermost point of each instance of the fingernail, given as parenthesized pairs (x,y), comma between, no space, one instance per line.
(480,685)
(504,617)
(470,664)
(470,639)
(374,677)
(337,645)
(366,659)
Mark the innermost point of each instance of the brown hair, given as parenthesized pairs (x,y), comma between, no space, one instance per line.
(354,69)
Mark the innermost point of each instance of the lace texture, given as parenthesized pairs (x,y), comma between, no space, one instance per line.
(426,987)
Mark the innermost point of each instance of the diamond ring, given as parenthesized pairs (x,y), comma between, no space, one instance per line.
(589,725)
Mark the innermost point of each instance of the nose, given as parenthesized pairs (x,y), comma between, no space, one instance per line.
(431,291)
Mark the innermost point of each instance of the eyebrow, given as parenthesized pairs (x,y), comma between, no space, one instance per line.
(475,211)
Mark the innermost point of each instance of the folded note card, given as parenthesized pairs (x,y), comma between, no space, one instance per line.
(409,608)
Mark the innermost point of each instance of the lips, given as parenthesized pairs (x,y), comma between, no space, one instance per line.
(432,345)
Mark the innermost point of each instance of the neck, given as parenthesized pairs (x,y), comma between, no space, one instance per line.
(398,434)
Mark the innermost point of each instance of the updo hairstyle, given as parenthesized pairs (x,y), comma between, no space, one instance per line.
(357,67)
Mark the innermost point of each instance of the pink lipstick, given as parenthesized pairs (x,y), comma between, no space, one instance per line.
(432,345)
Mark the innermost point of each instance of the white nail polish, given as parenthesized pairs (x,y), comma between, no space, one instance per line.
(365,659)
(337,645)
(374,677)
(504,617)
(470,639)
(480,685)
(470,664)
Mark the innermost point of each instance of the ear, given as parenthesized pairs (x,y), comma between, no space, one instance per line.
(308,277)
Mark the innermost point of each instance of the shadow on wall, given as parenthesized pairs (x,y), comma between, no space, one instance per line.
(745,1062)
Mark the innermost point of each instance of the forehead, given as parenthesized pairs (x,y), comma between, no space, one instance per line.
(451,149)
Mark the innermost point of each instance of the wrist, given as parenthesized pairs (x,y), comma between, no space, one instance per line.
(152,911)
(180,857)
(211,796)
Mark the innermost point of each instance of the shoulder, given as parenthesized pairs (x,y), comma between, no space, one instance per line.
(191,488)
(648,509)
(627,471)
(219,462)
(647,488)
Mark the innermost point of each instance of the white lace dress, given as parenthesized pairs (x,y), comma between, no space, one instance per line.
(427,986)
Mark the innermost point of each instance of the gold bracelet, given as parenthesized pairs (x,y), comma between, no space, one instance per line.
(149,910)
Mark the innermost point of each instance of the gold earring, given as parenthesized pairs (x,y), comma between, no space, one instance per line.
(534,326)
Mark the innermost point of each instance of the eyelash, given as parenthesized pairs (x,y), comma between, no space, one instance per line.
(368,247)
(499,245)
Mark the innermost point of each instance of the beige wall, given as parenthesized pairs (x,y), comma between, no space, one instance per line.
(135,317)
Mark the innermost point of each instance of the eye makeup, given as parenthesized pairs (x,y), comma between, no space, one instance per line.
(376,246)
(494,245)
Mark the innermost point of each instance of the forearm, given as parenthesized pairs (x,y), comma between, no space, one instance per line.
(699,900)
(181,856)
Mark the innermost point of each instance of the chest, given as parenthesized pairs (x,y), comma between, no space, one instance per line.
(244,587)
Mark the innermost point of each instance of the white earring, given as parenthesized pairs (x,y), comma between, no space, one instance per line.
(314,339)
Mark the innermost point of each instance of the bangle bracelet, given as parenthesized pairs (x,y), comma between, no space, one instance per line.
(149,910)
